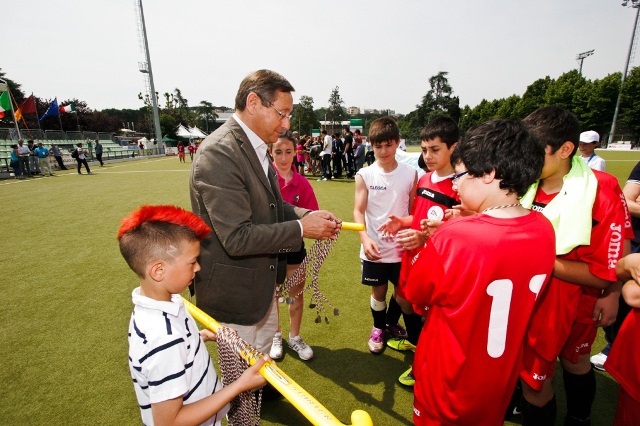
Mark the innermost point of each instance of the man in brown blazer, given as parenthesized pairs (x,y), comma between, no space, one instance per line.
(234,189)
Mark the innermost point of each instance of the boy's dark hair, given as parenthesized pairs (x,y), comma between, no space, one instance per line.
(384,129)
(505,146)
(553,126)
(442,127)
(265,84)
(157,232)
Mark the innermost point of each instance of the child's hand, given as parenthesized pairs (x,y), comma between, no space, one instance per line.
(371,250)
(207,335)
(251,378)
(457,211)
(390,227)
(429,226)
(410,239)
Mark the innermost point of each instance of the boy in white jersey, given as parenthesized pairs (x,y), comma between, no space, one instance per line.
(174,379)
(384,189)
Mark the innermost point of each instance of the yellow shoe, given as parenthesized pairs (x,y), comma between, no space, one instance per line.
(401,344)
(407,378)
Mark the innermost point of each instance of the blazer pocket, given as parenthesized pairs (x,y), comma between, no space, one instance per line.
(234,285)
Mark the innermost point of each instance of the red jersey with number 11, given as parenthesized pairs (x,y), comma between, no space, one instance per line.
(480,277)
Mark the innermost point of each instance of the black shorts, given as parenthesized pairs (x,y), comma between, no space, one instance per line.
(375,274)
(297,257)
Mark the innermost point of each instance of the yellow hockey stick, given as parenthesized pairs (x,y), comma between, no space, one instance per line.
(352,226)
(315,412)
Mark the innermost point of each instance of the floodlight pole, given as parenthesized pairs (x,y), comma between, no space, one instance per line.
(636,5)
(152,95)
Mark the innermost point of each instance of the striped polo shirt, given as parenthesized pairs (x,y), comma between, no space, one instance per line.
(167,357)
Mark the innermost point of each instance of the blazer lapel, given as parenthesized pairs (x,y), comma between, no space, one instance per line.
(251,154)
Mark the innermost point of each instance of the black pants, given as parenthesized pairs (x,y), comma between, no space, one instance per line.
(60,163)
(326,166)
(82,161)
(99,158)
(337,165)
(26,170)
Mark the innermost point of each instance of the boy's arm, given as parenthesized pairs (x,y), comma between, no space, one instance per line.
(578,273)
(173,412)
(631,293)
(605,309)
(371,249)
(394,224)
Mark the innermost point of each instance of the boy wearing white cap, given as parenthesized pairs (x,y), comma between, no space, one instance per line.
(588,143)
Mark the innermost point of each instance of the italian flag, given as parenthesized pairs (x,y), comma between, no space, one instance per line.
(68,108)
(5,103)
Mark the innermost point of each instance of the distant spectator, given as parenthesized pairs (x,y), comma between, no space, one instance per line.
(15,163)
(368,155)
(43,159)
(34,166)
(81,159)
(192,149)
(58,156)
(359,156)
(181,152)
(99,152)
(24,152)
(589,141)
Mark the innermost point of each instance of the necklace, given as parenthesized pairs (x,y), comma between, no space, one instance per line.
(506,206)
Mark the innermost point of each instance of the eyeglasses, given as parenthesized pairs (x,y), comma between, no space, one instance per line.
(454,178)
(280,113)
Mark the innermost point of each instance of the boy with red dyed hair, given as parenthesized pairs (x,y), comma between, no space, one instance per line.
(174,379)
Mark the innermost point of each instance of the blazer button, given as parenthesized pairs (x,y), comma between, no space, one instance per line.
(272,267)
(273,206)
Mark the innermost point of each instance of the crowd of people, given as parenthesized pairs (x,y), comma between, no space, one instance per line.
(507,255)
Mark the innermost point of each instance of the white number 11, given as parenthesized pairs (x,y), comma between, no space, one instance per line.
(501,291)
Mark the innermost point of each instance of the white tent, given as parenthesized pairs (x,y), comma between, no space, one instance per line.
(197,133)
(183,132)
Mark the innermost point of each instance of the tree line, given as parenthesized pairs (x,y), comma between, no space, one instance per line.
(592,101)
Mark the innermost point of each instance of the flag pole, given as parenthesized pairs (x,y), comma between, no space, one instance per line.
(59,118)
(15,120)
(13,112)
(35,106)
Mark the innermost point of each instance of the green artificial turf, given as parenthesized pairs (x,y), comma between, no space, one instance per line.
(66,292)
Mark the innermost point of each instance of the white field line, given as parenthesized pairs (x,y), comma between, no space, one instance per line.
(101,172)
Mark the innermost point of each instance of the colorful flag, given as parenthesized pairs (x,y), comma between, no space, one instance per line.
(27,107)
(5,103)
(52,111)
(68,108)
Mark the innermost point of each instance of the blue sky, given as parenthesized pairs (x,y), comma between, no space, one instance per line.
(380,53)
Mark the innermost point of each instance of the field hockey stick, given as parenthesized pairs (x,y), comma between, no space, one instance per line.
(352,226)
(315,412)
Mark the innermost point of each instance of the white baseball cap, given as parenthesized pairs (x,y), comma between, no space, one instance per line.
(589,136)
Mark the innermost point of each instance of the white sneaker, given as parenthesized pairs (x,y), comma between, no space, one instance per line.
(276,347)
(297,344)
(598,361)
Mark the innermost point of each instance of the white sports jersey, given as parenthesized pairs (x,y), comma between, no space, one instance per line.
(388,194)
(167,357)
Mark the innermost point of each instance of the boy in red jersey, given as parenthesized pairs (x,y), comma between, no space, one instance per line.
(622,361)
(476,296)
(434,196)
(588,219)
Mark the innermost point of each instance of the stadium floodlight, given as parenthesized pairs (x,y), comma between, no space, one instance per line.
(580,57)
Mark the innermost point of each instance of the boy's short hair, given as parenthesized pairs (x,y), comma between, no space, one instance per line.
(156,232)
(505,146)
(384,129)
(553,126)
(442,127)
